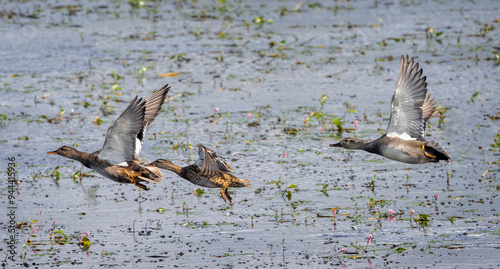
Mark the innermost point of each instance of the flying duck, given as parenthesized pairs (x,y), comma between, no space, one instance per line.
(117,160)
(410,110)
(209,171)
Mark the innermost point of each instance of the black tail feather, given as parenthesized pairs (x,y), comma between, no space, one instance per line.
(435,149)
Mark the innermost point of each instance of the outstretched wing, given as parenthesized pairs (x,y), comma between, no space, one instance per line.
(209,162)
(153,107)
(407,116)
(121,138)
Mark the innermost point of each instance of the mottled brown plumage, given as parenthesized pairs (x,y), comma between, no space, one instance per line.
(209,171)
(117,160)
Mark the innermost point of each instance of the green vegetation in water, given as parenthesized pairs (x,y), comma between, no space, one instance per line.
(496,141)
(422,220)
(442,114)
(431,34)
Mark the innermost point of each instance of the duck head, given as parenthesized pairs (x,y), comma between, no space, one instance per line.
(67,152)
(162,163)
(350,143)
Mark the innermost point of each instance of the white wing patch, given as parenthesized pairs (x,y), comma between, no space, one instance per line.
(138,147)
(404,136)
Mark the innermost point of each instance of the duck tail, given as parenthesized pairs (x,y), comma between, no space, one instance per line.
(239,183)
(151,174)
(438,153)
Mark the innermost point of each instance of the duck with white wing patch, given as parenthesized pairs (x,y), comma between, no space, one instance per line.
(117,160)
(410,110)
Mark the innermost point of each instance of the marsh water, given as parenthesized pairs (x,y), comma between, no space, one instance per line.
(268,85)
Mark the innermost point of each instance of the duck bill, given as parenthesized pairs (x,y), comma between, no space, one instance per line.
(52,152)
(336,145)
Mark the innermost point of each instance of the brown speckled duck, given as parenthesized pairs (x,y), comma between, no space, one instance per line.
(209,171)
(410,109)
(117,160)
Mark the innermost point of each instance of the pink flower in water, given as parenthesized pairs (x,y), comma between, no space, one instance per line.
(175,113)
(249,115)
(436,196)
(216,110)
(369,239)
(334,211)
(87,235)
(356,123)
(320,129)
(343,250)
(392,211)
(36,229)
(411,213)
(18,183)
(284,155)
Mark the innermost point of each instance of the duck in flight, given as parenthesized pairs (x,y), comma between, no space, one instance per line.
(117,160)
(410,110)
(209,171)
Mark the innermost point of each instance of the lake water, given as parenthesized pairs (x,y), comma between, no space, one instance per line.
(263,85)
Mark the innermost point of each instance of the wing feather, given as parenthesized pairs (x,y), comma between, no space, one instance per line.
(120,143)
(209,162)
(429,108)
(153,106)
(407,117)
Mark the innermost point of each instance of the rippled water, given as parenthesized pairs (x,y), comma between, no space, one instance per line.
(63,65)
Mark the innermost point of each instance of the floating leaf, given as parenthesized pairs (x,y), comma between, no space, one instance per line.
(160,210)
(169,75)
(400,249)
(290,131)
(199,192)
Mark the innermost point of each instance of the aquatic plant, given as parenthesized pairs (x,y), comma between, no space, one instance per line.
(84,242)
(431,34)
(422,219)
(141,74)
(496,141)
(260,21)
(341,251)
(441,113)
